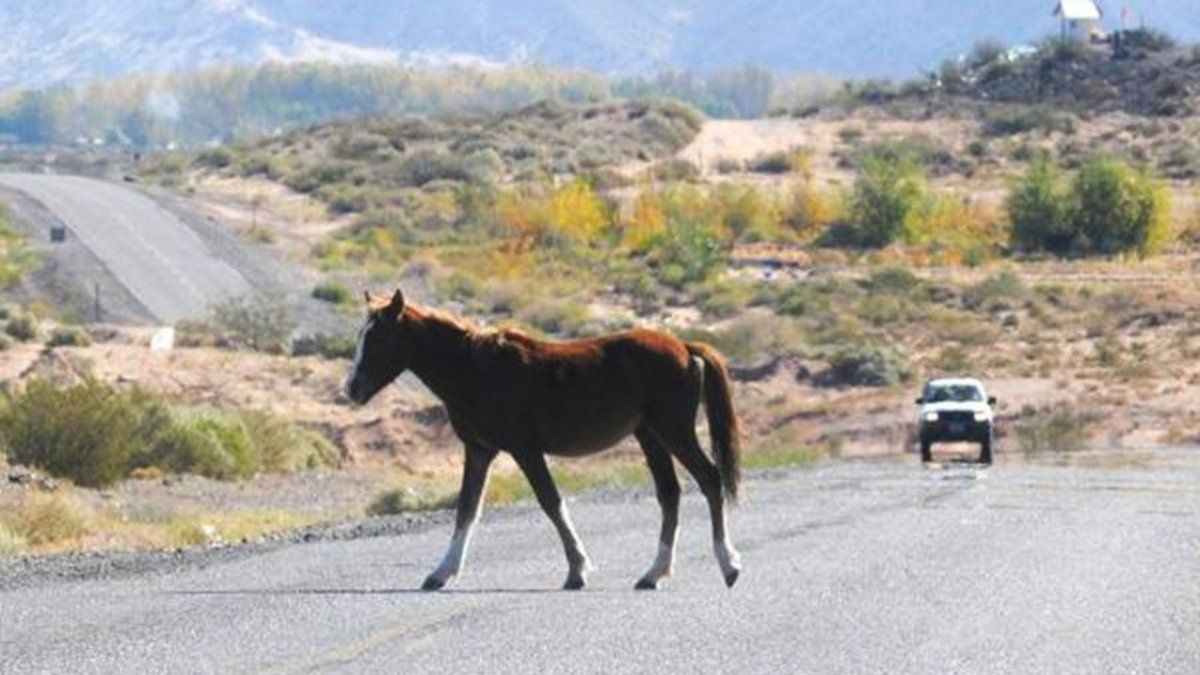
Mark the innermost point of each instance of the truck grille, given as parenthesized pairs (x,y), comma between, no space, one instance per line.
(956,416)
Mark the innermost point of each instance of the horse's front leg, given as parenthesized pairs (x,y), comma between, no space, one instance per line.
(470,502)
(533,465)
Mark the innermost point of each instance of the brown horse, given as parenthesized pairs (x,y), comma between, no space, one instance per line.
(505,391)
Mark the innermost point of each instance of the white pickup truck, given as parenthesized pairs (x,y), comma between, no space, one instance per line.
(955,410)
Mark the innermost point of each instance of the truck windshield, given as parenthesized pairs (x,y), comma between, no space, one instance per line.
(959,393)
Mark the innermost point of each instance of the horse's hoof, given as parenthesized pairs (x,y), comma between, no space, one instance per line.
(433,583)
(645,584)
(731,578)
(574,583)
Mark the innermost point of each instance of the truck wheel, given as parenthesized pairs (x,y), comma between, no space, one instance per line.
(985,448)
(926,451)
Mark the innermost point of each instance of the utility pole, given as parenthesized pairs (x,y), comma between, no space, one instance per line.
(96,301)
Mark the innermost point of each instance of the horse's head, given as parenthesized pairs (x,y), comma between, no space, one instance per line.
(382,352)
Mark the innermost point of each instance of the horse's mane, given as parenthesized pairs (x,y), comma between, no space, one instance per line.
(486,341)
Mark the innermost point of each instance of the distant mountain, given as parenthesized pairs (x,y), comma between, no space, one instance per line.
(48,42)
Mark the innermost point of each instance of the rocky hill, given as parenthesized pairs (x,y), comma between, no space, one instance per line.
(55,41)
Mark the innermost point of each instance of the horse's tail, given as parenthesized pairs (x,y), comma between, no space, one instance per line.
(722,422)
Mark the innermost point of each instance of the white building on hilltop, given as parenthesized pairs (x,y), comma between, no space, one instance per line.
(1080,20)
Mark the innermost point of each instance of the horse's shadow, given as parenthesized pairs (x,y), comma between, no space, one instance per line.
(371,591)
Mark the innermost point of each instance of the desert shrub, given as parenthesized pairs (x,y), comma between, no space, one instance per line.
(258,322)
(999,292)
(1060,429)
(85,432)
(726,166)
(69,336)
(215,158)
(22,326)
(426,166)
(557,317)
(12,543)
(332,292)
(270,166)
(330,346)
(216,445)
(752,338)
(986,52)
(409,499)
(360,146)
(688,252)
(675,171)
(897,280)
(1013,122)
(38,519)
(1147,39)
(283,447)
(868,365)
(778,162)
(886,196)
(313,177)
(578,213)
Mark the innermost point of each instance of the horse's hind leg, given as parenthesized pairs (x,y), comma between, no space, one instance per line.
(658,458)
(470,500)
(533,465)
(678,433)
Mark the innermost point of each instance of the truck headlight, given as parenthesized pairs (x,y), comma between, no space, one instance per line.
(980,416)
(931,417)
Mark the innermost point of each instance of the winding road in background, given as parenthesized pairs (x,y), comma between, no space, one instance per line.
(163,263)
(869,567)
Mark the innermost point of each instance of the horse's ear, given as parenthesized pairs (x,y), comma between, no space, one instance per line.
(367,297)
(396,306)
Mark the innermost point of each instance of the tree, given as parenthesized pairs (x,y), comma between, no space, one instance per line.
(1109,208)
(1119,209)
(1038,212)
(886,197)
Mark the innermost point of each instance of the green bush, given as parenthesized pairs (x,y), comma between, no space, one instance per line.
(1061,429)
(215,158)
(1013,122)
(676,171)
(689,252)
(207,444)
(887,196)
(409,499)
(332,292)
(312,178)
(85,432)
(1108,208)
(69,336)
(1038,211)
(96,435)
(23,327)
(258,322)
(330,346)
(1119,209)
(282,447)
(778,162)
(867,366)
(426,166)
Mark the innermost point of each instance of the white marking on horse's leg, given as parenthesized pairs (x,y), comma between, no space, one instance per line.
(662,567)
(577,558)
(727,556)
(455,554)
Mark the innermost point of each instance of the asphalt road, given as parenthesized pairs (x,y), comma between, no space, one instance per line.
(163,263)
(850,568)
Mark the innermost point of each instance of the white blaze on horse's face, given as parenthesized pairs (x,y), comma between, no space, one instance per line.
(356,379)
